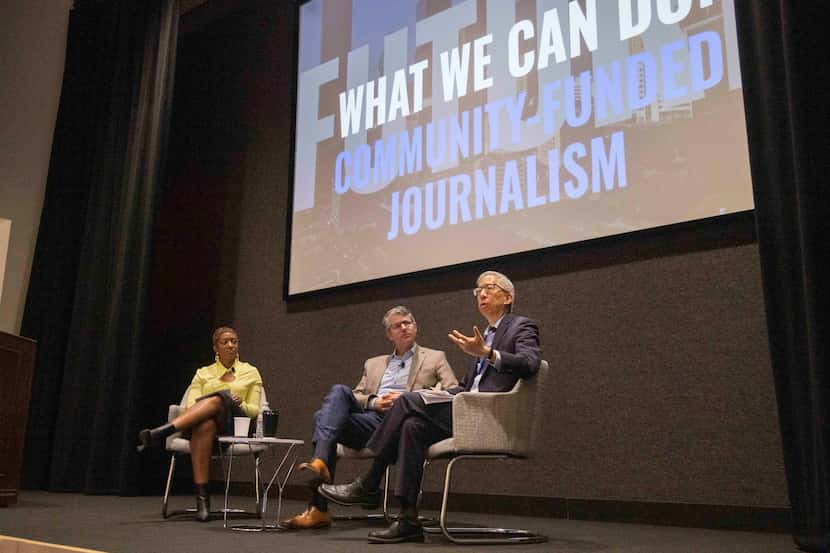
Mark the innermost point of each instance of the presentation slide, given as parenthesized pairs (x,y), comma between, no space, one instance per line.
(436,132)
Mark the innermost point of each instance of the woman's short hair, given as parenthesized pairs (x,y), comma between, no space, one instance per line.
(397,310)
(219,331)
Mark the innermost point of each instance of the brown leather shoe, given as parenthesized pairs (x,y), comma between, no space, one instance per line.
(314,473)
(310,518)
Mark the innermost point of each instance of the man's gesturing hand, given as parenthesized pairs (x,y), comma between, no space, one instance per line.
(471,345)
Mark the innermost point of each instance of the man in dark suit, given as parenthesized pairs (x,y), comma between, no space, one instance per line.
(507,351)
(350,416)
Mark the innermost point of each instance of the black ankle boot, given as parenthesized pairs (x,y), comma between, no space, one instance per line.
(202,503)
(151,438)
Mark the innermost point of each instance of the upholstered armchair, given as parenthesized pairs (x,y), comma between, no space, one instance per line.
(504,425)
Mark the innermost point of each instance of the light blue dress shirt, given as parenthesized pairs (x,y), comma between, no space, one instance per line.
(396,375)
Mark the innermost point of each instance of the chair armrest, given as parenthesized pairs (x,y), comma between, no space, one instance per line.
(173,411)
(497,422)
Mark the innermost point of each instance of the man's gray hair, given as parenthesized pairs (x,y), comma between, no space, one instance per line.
(503,282)
(397,310)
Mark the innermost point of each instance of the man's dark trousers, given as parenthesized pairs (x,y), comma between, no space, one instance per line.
(341,419)
(403,437)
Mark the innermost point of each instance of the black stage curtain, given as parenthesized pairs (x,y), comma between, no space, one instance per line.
(88,287)
(785,51)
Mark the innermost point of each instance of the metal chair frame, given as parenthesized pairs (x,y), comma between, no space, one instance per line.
(455,533)
(488,535)
(165,513)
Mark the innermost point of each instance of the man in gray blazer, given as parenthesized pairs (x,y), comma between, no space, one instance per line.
(350,416)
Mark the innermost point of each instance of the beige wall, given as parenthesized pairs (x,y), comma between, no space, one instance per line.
(32,47)
(5,233)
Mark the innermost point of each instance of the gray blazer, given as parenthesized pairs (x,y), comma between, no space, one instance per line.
(429,369)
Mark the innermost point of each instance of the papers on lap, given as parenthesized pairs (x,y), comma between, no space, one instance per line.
(435,396)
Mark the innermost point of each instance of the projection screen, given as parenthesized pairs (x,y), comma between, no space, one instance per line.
(430,132)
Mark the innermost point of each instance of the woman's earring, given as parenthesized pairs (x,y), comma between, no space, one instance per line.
(217,358)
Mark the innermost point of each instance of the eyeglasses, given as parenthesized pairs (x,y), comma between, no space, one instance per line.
(401,324)
(489,288)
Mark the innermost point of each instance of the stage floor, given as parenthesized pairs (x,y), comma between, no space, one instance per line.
(134,525)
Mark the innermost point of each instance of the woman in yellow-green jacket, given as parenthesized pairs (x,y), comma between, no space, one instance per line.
(219,392)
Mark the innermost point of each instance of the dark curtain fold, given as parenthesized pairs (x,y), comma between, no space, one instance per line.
(99,206)
(784,63)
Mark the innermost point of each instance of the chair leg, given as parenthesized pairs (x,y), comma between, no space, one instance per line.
(166,513)
(421,487)
(257,484)
(424,520)
(386,479)
(493,535)
(167,486)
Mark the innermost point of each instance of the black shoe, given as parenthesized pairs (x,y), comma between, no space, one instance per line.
(202,503)
(353,493)
(399,531)
(152,438)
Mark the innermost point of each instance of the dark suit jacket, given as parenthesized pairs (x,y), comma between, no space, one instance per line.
(517,341)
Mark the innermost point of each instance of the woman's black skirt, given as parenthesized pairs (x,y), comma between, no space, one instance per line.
(231,410)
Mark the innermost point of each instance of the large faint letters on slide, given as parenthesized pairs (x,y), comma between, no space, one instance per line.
(435,133)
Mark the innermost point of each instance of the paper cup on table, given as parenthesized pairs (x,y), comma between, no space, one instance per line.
(241,425)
